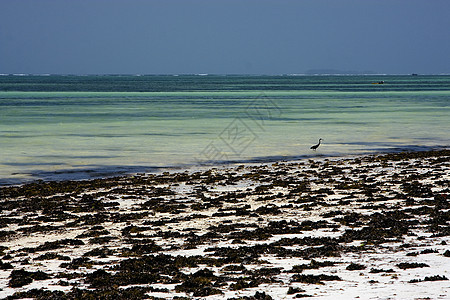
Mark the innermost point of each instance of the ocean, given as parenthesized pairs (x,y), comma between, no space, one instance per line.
(82,127)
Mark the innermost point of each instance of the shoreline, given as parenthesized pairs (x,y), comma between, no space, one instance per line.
(361,226)
(123,171)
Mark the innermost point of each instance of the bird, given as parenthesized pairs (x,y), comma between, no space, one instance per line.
(316,146)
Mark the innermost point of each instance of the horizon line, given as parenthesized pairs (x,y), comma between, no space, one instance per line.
(220,74)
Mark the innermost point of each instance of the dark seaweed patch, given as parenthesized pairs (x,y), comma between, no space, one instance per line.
(52,255)
(296,290)
(140,249)
(407,265)
(100,252)
(430,278)
(314,279)
(4,234)
(5,266)
(234,268)
(132,293)
(256,296)
(379,228)
(201,283)
(312,265)
(19,278)
(54,245)
(92,233)
(375,270)
(354,266)
(81,262)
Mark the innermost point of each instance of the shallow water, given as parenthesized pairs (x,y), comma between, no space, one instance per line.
(77,127)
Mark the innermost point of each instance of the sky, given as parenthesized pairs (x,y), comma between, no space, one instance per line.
(224,36)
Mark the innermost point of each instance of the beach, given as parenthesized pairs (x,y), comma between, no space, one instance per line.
(224,150)
(362,226)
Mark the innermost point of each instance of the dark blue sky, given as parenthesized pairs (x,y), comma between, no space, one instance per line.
(224,36)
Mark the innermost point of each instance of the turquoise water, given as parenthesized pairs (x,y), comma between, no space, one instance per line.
(77,127)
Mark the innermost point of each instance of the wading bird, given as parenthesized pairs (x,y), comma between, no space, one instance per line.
(316,146)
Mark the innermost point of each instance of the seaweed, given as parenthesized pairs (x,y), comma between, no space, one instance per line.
(312,265)
(296,290)
(275,202)
(5,266)
(202,283)
(102,239)
(4,234)
(256,296)
(19,278)
(353,266)
(268,210)
(314,279)
(407,265)
(51,256)
(244,283)
(93,233)
(375,270)
(81,262)
(132,293)
(350,219)
(234,268)
(38,294)
(100,252)
(430,278)
(140,249)
(103,279)
(381,226)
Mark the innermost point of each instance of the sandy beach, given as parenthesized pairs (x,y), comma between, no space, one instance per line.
(366,227)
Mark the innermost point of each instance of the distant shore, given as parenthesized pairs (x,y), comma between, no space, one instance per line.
(367,226)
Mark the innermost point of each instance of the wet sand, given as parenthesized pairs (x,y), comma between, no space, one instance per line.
(368,227)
